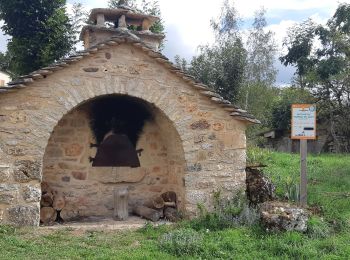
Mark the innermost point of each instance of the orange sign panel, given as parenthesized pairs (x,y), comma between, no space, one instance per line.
(304,121)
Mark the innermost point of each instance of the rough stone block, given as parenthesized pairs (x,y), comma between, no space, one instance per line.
(195,197)
(26,170)
(4,173)
(74,150)
(200,125)
(9,193)
(15,151)
(197,167)
(118,175)
(79,175)
(31,193)
(65,179)
(218,126)
(24,215)
(54,152)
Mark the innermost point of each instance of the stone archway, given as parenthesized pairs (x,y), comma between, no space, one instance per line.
(213,142)
(88,191)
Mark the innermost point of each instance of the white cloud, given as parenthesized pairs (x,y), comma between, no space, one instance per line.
(188,21)
(247,7)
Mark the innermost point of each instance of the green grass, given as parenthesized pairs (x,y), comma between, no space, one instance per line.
(327,238)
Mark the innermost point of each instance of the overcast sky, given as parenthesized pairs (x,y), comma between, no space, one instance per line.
(187,22)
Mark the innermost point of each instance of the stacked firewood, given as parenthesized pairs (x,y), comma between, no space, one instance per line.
(52,205)
(163,206)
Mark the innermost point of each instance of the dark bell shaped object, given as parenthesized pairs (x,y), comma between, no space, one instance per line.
(116,150)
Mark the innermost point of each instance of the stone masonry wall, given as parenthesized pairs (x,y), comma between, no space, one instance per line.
(89,190)
(212,142)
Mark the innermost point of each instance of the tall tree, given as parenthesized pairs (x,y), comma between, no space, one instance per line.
(117,3)
(262,51)
(78,18)
(221,66)
(181,63)
(40,32)
(258,93)
(325,68)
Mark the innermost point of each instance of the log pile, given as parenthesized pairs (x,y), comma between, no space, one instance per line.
(163,206)
(52,204)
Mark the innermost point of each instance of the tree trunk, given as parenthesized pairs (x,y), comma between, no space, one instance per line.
(47,215)
(147,213)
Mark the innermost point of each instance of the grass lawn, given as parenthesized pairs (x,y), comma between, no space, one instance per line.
(328,237)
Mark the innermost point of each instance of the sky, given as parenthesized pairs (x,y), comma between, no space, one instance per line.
(187,22)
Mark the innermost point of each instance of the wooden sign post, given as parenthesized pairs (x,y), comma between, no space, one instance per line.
(303,129)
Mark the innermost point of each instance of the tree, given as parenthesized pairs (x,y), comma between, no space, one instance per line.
(221,66)
(4,61)
(258,93)
(117,3)
(78,18)
(262,51)
(40,30)
(325,68)
(181,63)
(281,111)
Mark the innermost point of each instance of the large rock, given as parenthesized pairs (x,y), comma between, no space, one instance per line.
(259,187)
(279,216)
(22,215)
(26,170)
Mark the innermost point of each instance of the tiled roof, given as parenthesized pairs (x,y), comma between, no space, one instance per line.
(127,37)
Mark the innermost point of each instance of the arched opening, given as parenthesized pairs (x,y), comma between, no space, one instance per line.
(89,192)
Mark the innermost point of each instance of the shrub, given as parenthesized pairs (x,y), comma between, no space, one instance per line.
(182,242)
(256,155)
(227,213)
(317,228)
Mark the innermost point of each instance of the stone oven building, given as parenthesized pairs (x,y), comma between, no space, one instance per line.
(193,141)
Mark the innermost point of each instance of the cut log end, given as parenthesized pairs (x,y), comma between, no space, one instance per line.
(172,214)
(48,215)
(147,213)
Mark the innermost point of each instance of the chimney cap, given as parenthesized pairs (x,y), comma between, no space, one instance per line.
(111,14)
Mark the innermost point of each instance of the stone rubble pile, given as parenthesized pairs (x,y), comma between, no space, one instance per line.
(274,215)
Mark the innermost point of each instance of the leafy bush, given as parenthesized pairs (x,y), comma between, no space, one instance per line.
(256,155)
(182,242)
(317,228)
(227,213)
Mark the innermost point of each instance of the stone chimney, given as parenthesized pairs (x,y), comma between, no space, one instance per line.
(105,23)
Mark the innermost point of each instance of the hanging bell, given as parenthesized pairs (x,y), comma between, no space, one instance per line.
(116,150)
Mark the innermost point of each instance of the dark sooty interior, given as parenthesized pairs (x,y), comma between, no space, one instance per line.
(121,114)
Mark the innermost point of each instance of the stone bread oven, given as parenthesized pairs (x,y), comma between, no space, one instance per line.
(188,139)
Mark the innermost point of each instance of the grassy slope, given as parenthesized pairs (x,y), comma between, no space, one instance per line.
(329,182)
